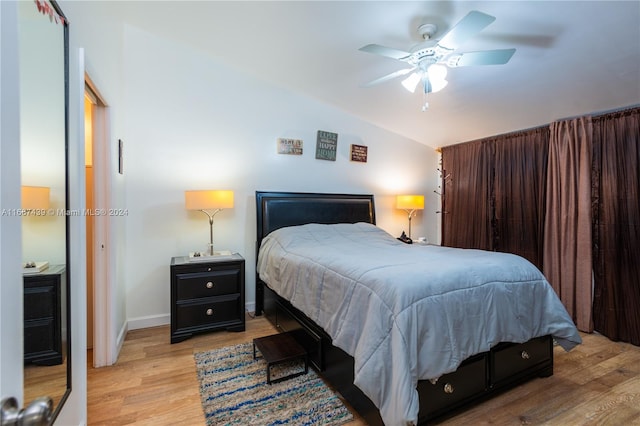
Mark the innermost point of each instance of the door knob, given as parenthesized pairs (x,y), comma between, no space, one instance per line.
(38,413)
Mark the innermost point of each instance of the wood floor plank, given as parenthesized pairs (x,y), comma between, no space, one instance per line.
(154,382)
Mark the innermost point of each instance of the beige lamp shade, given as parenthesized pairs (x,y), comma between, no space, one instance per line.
(208,199)
(410,202)
(35,197)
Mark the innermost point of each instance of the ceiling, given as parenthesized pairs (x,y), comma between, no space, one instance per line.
(572,58)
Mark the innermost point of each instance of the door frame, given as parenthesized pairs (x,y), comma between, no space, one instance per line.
(105,350)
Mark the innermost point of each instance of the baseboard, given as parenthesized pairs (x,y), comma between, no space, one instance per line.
(158,320)
(148,321)
(120,340)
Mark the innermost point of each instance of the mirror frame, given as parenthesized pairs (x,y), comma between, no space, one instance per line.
(67,283)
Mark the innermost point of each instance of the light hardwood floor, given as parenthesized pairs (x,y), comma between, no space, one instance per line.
(154,383)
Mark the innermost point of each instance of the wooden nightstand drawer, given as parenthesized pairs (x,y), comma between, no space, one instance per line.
(39,338)
(218,311)
(207,284)
(510,359)
(41,300)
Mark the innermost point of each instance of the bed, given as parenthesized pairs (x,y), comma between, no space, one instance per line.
(400,330)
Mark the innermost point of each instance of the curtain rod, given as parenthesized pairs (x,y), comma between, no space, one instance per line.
(601,113)
(593,115)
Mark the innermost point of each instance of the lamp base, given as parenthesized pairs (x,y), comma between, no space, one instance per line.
(197,256)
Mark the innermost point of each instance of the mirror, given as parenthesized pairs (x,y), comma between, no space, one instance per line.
(43,47)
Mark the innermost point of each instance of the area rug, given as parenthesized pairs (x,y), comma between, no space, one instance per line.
(234,391)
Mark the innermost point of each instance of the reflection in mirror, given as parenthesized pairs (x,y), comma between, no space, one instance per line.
(43,115)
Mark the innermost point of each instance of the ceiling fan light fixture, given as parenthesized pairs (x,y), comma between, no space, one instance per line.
(438,85)
(410,83)
(437,72)
(436,75)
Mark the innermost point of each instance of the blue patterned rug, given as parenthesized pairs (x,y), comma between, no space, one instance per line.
(234,391)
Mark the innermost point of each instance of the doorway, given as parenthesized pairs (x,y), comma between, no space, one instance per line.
(100,345)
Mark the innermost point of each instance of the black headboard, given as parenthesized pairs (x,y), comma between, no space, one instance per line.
(276,210)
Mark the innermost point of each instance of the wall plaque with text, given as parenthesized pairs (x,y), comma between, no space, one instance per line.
(359,153)
(326,146)
(290,146)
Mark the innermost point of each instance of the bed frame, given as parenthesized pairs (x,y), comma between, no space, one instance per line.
(479,377)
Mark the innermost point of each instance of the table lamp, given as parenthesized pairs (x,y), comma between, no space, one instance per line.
(35,198)
(209,202)
(410,203)
(35,202)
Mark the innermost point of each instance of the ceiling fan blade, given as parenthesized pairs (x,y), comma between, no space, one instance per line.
(389,77)
(483,57)
(376,49)
(466,28)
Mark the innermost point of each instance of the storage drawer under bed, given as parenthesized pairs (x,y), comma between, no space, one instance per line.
(511,361)
(453,389)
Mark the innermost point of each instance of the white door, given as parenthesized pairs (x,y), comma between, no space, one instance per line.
(10,235)
(11,288)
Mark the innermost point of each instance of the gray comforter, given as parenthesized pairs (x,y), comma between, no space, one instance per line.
(408,312)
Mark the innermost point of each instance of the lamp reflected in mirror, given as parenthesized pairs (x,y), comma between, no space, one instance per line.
(35,203)
(35,197)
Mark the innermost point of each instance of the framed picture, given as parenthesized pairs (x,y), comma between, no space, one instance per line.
(290,146)
(359,153)
(326,146)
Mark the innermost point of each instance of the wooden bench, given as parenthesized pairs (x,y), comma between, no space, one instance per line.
(278,349)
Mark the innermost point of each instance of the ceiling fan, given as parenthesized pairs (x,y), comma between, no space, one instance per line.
(429,60)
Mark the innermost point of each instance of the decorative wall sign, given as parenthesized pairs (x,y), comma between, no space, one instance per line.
(326,146)
(290,146)
(359,153)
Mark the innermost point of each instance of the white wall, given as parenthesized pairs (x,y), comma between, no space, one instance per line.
(191,122)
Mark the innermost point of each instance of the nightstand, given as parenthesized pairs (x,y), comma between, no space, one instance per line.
(206,295)
(44,294)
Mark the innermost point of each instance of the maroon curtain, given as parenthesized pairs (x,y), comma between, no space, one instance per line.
(616,225)
(466,206)
(519,191)
(567,237)
(495,197)
(496,200)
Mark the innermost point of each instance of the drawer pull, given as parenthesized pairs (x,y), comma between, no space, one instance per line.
(209,311)
(210,284)
(448,388)
(525,355)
